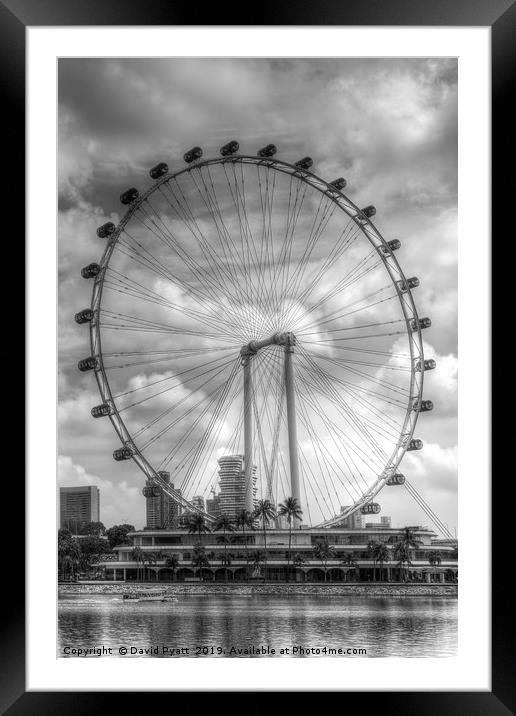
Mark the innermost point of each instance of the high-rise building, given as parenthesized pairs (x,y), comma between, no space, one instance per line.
(78,505)
(198,501)
(353,521)
(232,484)
(213,505)
(162,512)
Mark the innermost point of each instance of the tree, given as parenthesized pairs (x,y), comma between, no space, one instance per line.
(402,556)
(349,562)
(266,512)
(68,553)
(298,561)
(92,528)
(226,558)
(434,558)
(92,548)
(172,562)
(404,547)
(150,559)
(136,555)
(382,556)
(245,519)
(379,554)
(117,534)
(225,524)
(290,509)
(258,558)
(199,558)
(197,524)
(324,551)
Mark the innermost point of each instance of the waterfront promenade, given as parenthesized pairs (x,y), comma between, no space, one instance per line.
(385,589)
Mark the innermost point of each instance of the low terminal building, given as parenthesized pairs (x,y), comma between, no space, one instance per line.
(172,555)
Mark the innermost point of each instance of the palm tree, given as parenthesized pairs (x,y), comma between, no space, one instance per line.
(434,558)
(225,524)
(379,554)
(197,524)
(291,509)
(226,558)
(323,551)
(245,519)
(172,562)
(266,512)
(382,556)
(408,543)
(199,558)
(402,556)
(349,562)
(137,555)
(149,558)
(371,549)
(298,561)
(258,559)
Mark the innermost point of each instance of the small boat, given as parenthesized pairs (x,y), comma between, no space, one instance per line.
(148,597)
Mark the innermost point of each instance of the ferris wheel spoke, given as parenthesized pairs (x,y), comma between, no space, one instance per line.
(215,401)
(344,285)
(204,397)
(180,402)
(242,275)
(344,242)
(211,203)
(324,382)
(266,244)
(224,278)
(287,255)
(224,361)
(351,446)
(324,471)
(345,365)
(344,311)
(208,432)
(330,459)
(209,317)
(203,277)
(318,228)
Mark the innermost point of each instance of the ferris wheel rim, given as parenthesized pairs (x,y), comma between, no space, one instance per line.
(391,265)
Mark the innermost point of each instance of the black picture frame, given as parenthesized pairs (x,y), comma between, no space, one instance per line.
(500,16)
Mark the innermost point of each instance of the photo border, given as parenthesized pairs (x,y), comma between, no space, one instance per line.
(501,17)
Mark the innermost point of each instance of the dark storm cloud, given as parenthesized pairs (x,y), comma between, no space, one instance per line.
(388,126)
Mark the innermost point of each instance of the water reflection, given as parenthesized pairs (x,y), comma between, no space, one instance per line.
(401,627)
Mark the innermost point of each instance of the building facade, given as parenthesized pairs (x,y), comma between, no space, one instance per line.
(160,510)
(349,560)
(77,506)
(232,484)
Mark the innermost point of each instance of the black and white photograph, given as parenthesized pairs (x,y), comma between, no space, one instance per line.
(258,358)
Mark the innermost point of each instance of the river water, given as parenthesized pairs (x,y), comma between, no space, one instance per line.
(224,625)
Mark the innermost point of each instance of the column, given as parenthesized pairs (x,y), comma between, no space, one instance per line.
(291,421)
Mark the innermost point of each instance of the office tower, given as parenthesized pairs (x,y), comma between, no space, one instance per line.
(232,484)
(213,505)
(162,512)
(77,506)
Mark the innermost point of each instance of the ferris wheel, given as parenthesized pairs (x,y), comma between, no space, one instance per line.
(246,308)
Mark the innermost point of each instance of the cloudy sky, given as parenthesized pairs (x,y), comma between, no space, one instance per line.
(388,126)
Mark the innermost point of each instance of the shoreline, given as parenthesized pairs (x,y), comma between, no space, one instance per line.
(392,589)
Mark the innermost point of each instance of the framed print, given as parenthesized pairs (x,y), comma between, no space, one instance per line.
(261,311)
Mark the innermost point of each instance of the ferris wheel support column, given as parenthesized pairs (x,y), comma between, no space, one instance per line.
(248,434)
(291,419)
